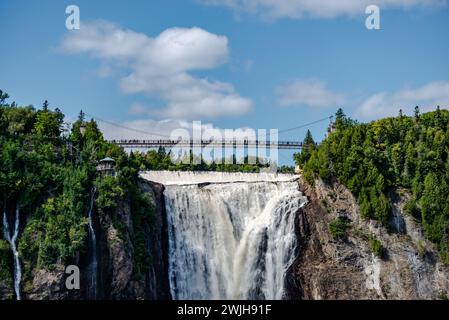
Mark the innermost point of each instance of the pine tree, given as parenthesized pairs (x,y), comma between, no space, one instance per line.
(438,119)
(417,113)
(81,116)
(340,119)
(308,146)
(308,140)
(3,97)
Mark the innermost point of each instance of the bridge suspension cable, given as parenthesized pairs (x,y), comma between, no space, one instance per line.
(126,127)
(304,125)
(167,136)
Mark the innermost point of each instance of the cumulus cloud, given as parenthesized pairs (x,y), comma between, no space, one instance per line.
(311,93)
(159,66)
(163,129)
(296,9)
(384,104)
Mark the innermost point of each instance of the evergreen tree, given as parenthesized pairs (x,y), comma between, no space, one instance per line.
(308,146)
(417,113)
(308,140)
(3,97)
(81,116)
(376,158)
(340,119)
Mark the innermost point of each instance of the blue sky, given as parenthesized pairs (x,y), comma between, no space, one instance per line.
(259,64)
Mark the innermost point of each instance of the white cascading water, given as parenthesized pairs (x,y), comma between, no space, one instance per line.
(232,240)
(13,243)
(191,177)
(93,266)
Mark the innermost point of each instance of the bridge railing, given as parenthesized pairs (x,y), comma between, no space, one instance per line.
(166,142)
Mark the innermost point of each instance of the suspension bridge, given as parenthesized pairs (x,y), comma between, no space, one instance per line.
(234,143)
(207,143)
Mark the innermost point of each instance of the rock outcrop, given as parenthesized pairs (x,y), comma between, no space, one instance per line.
(49,285)
(115,261)
(6,291)
(158,286)
(325,268)
(408,268)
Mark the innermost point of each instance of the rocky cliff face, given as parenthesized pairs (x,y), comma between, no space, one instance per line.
(6,291)
(158,286)
(408,268)
(115,261)
(325,268)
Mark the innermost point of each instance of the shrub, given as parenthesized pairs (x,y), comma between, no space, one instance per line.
(375,245)
(338,227)
(109,192)
(442,296)
(5,257)
(143,219)
(421,248)
(412,209)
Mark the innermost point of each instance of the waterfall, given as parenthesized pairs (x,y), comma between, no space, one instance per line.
(93,264)
(231,240)
(13,243)
(190,177)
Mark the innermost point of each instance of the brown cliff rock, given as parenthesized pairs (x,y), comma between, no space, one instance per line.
(347,269)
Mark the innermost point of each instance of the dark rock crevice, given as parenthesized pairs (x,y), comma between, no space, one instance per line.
(158,287)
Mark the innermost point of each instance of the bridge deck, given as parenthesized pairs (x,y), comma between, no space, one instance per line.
(207,143)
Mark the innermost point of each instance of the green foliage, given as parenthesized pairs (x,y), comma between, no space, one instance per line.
(3,97)
(162,160)
(142,210)
(109,193)
(375,246)
(372,159)
(5,258)
(143,216)
(442,296)
(412,209)
(48,124)
(57,230)
(338,228)
(309,146)
(50,176)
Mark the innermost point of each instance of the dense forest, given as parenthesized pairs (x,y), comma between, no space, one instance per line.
(375,159)
(48,173)
(162,160)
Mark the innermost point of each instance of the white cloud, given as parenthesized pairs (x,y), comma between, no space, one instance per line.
(385,104)
(161,129)
(104,71)
(138,109)
(141,129)
(312,93)
(296,9)
(160,66)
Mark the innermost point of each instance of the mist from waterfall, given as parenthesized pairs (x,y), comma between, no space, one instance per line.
(12,240)
(231,240)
